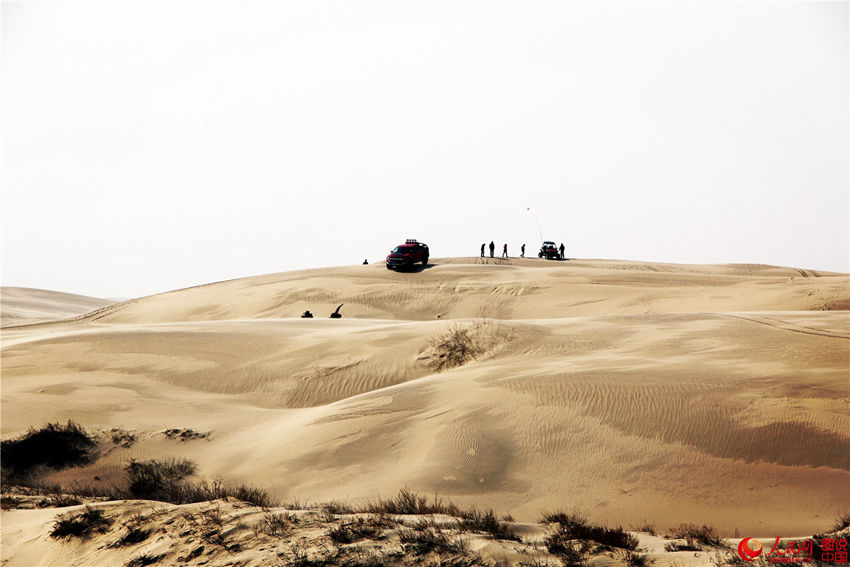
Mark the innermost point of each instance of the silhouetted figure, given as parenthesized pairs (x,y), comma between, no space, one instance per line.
(482,250)
(522,251)
(505,250)
(365,261)
(335,314)
(492,248)
(307,315)
(561,250)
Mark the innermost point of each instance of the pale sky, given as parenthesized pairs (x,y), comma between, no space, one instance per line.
(155,145)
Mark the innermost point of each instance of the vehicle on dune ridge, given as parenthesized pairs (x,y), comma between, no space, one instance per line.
(549,251)
(406,255)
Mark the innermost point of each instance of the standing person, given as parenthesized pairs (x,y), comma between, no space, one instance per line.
(482,250)
(561,250)
(505,250)
(492,248)
(522,251)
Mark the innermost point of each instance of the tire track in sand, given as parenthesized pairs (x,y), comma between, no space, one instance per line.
(786,326)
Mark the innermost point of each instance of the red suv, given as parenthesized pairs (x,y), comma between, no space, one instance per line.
(407,254)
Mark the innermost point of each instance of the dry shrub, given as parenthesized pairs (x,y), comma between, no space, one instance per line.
(574,526)
(145,559)
(461,344)
(160,480)
(841,522)
(357,530)
(475,520)
(695,535)
(408,502)
(54,446)
(276,524)
(81,525)
(430,539)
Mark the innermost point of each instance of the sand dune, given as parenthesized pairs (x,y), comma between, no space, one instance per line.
(634,391)
(22,306)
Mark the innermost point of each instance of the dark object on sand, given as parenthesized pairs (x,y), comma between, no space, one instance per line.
(549,251)
(335,314)
(307,315)
(405,255)
(365,261)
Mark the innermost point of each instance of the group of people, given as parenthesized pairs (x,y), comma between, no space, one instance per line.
(505,250)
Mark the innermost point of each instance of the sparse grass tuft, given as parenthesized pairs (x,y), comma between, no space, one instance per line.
(842,522)
(165,481)
(54,446)
(430,539)
(634,559)
(695,535)
(359,529)
(681,546)
(133,536)
(455,347)
(160,480)
(276,524)
(576,527)
(59,501)
(408,502)
(646,528)
(81,525)
(475,520)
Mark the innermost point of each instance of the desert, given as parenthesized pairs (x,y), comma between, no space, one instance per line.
(627,393)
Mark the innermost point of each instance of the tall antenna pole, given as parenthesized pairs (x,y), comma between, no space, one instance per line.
(539,231)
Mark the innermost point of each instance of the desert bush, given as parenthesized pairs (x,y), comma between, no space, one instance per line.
(634,559)
(575,526)
(475,520)
(103,491)
(336,507)
(160,480)
(361,528)
(680,545)
(251,495)
(165,481)
(430,540)
(695,535)
(53,446)
(122,438)
(145,559)
(81,525)
(454,348)
(841,522)
(646,528)
(134,535)
(570,553)
(10,502)
(59,501)
(408,502)
(276,524)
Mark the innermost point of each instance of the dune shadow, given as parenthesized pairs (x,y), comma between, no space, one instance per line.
(414,269)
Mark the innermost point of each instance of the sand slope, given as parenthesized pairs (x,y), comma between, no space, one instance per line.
(634,391)
(22,305)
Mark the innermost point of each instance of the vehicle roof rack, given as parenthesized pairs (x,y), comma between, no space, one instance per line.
(411,241)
